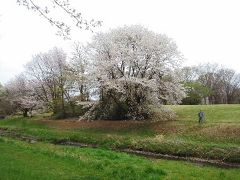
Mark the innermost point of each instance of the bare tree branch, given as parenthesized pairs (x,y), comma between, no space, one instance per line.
(64,28)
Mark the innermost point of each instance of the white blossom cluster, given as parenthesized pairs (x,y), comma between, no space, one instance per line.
(134,55)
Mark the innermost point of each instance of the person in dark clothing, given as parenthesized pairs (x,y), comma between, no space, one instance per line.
(201,116)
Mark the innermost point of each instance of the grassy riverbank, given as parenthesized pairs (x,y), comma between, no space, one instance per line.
(218,138)
(21,160)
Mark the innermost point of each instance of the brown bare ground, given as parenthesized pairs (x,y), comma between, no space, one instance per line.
(222,130)
(158,127)
(213,131)
(103,124)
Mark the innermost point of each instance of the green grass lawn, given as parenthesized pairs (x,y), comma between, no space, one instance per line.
(217,138)
(223,113)
(21,160)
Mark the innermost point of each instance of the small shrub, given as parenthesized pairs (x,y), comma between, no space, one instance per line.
(163,113)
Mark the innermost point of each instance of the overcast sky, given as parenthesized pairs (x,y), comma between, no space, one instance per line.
(204,30)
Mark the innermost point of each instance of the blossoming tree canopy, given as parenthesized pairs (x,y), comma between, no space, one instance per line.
(137,65)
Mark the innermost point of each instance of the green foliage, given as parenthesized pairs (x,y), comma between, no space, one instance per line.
(5,106)
(195,92)
(114,107)
(110,110)
(71,109)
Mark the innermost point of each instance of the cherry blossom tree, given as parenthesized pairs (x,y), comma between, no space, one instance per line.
(79,67)
(21,95)
(134,67)
(48,74)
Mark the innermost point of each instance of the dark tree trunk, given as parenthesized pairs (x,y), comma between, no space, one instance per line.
(63,104)
(25,113)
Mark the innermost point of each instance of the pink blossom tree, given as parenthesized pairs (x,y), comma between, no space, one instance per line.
(134,67)
(21,95)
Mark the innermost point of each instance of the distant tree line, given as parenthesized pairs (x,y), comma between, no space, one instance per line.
(211,84)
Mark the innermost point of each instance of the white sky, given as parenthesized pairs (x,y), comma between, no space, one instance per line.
(204,30)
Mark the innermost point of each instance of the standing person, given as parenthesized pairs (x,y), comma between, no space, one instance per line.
(201,116)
